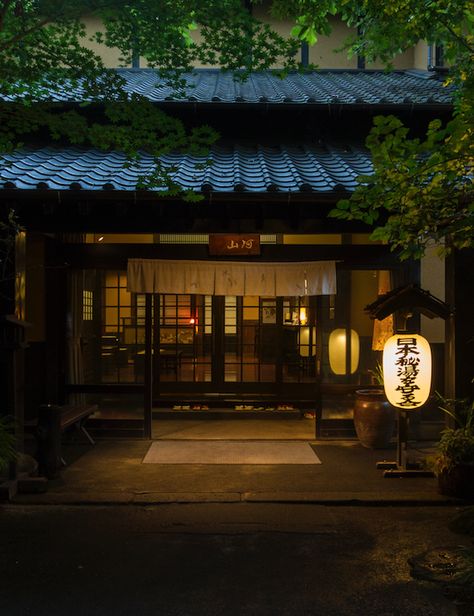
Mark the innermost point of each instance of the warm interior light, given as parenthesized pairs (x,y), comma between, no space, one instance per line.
(337,351)
(303,316)
(407,371)
(192,321)
(307,341)
(100,239)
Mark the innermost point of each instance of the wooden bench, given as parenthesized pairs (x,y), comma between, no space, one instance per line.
(74,415)
(53,421)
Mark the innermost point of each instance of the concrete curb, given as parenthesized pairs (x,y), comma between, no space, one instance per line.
(306,498)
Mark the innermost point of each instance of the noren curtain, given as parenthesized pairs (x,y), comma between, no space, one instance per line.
(231,277)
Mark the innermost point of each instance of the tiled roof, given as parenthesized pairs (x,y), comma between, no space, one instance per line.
(344,87)
(322,168)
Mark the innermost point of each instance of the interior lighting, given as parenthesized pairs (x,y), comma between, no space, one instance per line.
(337,351)
(303,316)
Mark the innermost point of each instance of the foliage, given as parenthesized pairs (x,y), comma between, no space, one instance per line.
(9,229)
(460,411)
(45,42)
(42,38)
(456,445)
(7,442)
(377,374)
(421,190)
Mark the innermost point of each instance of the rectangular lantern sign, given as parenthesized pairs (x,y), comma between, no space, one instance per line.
(234,244)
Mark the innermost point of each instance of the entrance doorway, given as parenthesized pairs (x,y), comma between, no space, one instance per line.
(242,351)
(239,356)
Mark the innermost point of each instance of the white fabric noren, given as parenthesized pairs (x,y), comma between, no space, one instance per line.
(231,277)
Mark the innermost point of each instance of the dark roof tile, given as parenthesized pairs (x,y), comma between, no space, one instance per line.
(258,168)
(344,87)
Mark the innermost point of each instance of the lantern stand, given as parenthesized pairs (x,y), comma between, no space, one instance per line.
(401,468)
(405,301)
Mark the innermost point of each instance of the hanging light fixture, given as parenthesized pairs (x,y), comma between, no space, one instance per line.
(407,370)
(338,350)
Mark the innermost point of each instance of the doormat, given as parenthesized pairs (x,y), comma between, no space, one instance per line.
(230,452)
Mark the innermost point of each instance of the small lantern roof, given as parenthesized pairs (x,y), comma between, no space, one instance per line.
(410,298)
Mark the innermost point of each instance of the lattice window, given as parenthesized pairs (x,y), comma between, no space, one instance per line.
(87,305)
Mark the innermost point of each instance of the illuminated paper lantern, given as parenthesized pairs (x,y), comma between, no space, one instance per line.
(337,351)
(407,371)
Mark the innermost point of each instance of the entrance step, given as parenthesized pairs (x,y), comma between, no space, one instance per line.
(101,427)
(225,413)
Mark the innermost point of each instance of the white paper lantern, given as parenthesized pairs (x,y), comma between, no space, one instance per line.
(407,371)
(337,351)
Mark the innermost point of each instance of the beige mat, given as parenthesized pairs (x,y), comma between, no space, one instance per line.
(230,452)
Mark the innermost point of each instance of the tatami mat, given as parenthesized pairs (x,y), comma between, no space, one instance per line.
(230,452)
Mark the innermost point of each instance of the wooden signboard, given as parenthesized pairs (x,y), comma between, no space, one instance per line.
(230,244)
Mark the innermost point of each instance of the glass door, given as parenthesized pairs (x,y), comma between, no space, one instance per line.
(233,344)
(250,340)
(183,339)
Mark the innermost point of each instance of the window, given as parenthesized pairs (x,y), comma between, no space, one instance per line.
(87,305)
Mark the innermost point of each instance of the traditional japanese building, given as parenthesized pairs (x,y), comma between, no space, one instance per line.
(247,303)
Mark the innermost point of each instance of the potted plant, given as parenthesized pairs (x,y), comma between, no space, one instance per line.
(454,460)
(374,416)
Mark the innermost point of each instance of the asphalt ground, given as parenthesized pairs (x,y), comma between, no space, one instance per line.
(221,559)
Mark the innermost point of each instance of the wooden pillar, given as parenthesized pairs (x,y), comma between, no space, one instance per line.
(55,325)
(450,332)
(148,377)
(462,326)
(12,324)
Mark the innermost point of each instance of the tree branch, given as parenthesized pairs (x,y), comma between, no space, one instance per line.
(457,36)
(25,33)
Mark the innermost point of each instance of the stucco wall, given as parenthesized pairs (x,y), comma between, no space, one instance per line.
(420,55)
(323,54)
(110,56)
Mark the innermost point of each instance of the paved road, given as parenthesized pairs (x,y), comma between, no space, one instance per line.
(214,560)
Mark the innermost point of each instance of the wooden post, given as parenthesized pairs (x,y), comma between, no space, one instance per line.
(48,438)
(148,376)
(450,335)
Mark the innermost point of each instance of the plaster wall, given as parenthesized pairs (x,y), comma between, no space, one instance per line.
(110,55)
(364,287)
(403,61)
(420,56)
(323,54)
